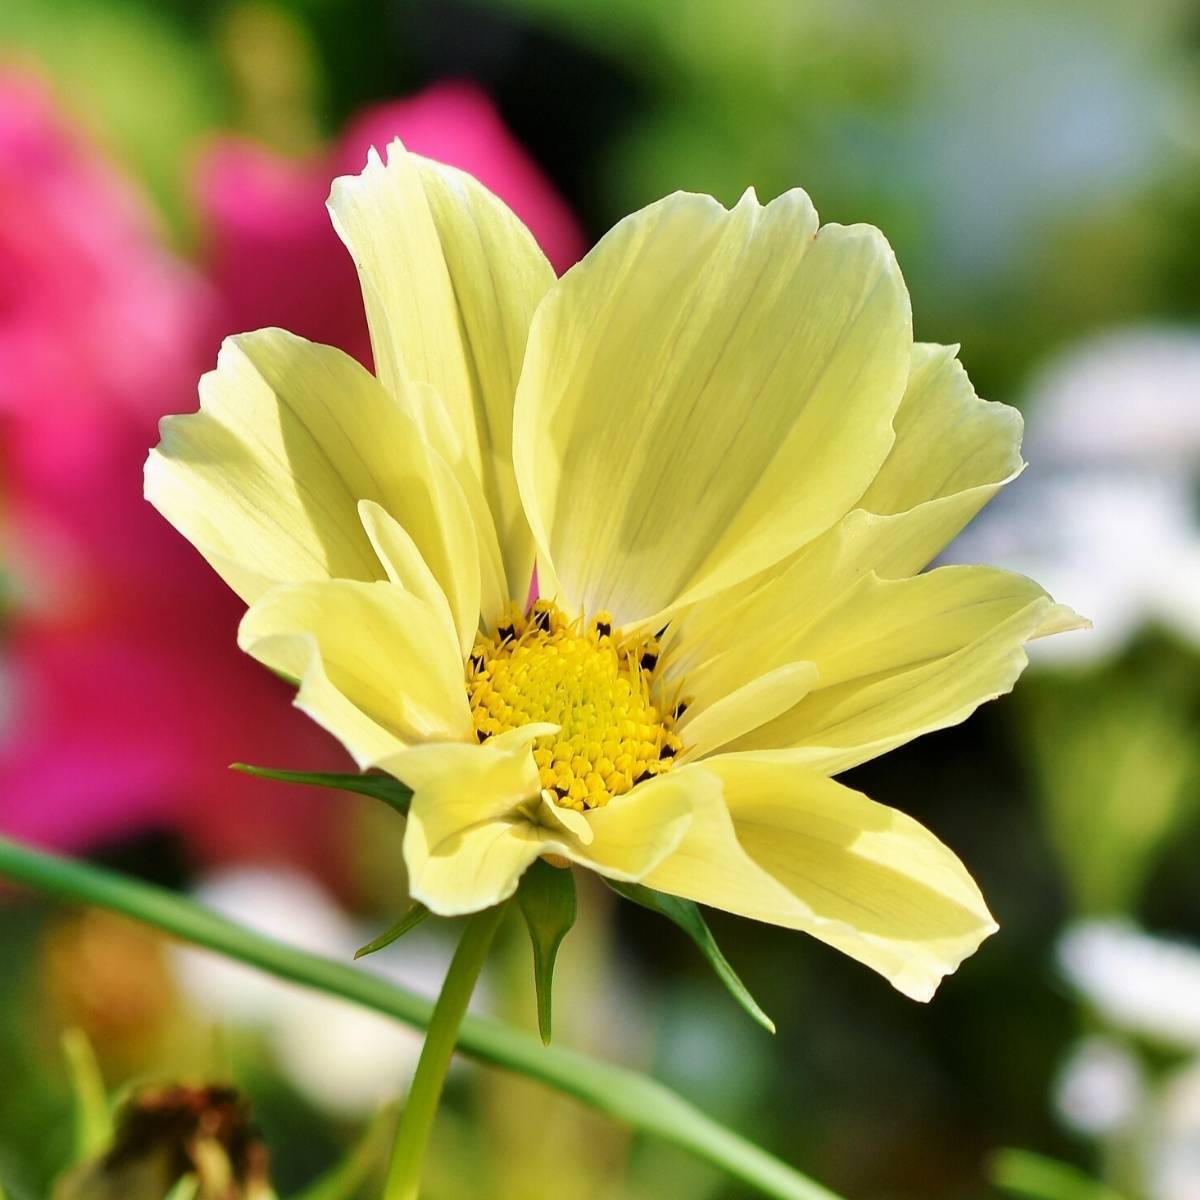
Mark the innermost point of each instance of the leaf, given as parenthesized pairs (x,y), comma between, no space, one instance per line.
(625,1095)
(347,1179)
(186,1188)
(1035,1177)
(93,1117)
(411,919)
(547,900)
(688,917)
(380,787)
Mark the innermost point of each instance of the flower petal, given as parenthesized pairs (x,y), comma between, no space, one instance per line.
(467,844)
(450,279)
(948,441)
(705,392)
(634,832)
(265,479)
(792,848)
(745,708)
(899,658)
(379,666)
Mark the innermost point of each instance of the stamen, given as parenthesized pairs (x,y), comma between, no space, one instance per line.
(579,676)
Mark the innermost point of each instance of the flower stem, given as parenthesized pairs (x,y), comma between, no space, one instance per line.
(416,1122)
(625,1095)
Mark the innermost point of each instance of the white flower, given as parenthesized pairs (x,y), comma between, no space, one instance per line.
(1100,1087)
(1108,515)
(1172,1155)
(1139,983)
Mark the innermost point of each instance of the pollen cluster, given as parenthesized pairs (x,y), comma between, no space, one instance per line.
(584,678)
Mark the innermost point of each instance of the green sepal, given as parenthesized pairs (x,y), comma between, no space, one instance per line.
(380,787)
(688,917)
(411,919)
(93,1124)
(547,900)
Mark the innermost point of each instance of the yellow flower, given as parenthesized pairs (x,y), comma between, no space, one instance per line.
(729,461)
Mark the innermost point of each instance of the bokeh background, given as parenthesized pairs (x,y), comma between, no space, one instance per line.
(1036,164)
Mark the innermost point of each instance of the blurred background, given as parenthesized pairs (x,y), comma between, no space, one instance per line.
(163,168)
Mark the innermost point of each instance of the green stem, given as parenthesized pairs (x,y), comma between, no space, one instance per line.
(416,1122)
(623,1094)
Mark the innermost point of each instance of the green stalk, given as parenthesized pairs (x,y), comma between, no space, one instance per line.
(416,1122)
(621,1093)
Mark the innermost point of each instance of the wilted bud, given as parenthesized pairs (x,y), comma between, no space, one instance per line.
(170,1133)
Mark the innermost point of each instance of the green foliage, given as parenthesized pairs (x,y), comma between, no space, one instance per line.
(380,787)
(411,919)
(1116,758)
(688,917)
(624,1094)
(93,1117)
(547,900)
(346,1180)
(1034,1177)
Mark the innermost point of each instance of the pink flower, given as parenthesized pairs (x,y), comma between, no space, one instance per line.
(126,694)
(271,237)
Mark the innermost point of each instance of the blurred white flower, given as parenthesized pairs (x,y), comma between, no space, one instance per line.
(1138,982)
(344,1058)
(1172,1153)
(1106,516)
(1100,1087)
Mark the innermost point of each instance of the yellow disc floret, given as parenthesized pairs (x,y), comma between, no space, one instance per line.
(584,678)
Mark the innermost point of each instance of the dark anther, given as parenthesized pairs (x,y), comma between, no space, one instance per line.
(541,618)
(680,709)
(506,633)
(603,629)
(481,734)
(667,751)
(643,777)
(649,660)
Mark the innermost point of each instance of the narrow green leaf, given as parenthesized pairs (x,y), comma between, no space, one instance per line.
(411,919)
(547,900)
(380,787)
(626,1095)
(186,1188)
(350,1176)
(688,917)
(93,1117)
(1035,1177)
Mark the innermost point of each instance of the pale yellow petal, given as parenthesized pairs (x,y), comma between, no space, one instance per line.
(266,478)
(634,832)
(387,662)
(738,712)
(450,279)
(948,440)
(402,562)
(469,837)
(705,392)
(480,868)
(900,658)
(952,453)
(792,848)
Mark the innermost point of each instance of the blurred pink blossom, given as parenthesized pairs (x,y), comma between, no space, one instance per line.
(124,696)
(273,252)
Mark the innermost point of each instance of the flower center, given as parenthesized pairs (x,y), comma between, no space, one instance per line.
(584,678)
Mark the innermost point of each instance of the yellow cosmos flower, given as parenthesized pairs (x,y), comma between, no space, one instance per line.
(729,462)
